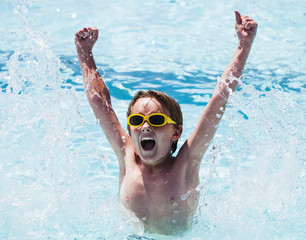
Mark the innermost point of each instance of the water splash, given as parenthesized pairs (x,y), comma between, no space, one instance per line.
(40,177)
(259,174)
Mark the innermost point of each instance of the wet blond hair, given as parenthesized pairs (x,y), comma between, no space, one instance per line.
(172,106)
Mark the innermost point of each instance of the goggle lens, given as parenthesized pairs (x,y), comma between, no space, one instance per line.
(136,120)
(157,120)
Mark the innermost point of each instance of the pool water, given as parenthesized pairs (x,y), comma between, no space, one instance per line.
(59,175)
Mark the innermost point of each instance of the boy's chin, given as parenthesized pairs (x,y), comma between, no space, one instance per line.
(152,159)
(149,158)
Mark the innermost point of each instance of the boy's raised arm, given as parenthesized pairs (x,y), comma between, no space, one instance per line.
(198,142)
(97,92)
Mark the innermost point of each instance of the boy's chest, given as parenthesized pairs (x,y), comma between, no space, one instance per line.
(152,197)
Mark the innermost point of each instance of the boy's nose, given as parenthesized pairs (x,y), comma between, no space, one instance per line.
(146,127)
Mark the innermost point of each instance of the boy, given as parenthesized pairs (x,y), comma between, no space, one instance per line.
(153,183)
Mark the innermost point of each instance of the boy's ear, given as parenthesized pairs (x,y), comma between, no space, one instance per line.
(177,134)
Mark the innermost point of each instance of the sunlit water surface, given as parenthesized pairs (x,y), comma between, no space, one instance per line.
(58,174)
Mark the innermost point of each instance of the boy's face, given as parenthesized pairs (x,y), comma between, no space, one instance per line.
(153,144)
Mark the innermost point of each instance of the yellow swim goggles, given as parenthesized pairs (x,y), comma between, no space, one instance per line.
(155,120)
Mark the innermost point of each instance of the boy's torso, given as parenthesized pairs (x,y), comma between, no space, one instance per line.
(162,200)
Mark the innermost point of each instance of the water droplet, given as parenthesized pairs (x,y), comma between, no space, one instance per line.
(173,221)
(183,197)
(175,212)
(198,188)
(218,115)
(144,218)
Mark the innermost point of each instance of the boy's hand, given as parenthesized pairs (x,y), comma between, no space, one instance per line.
(246,29)
(86,38)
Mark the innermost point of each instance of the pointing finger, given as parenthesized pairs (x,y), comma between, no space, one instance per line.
(238,17)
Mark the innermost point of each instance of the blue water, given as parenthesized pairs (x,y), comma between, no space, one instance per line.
(59,175)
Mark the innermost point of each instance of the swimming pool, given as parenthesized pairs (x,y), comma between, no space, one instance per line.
(58,174)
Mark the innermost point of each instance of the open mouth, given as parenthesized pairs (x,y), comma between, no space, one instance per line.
(147,143)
